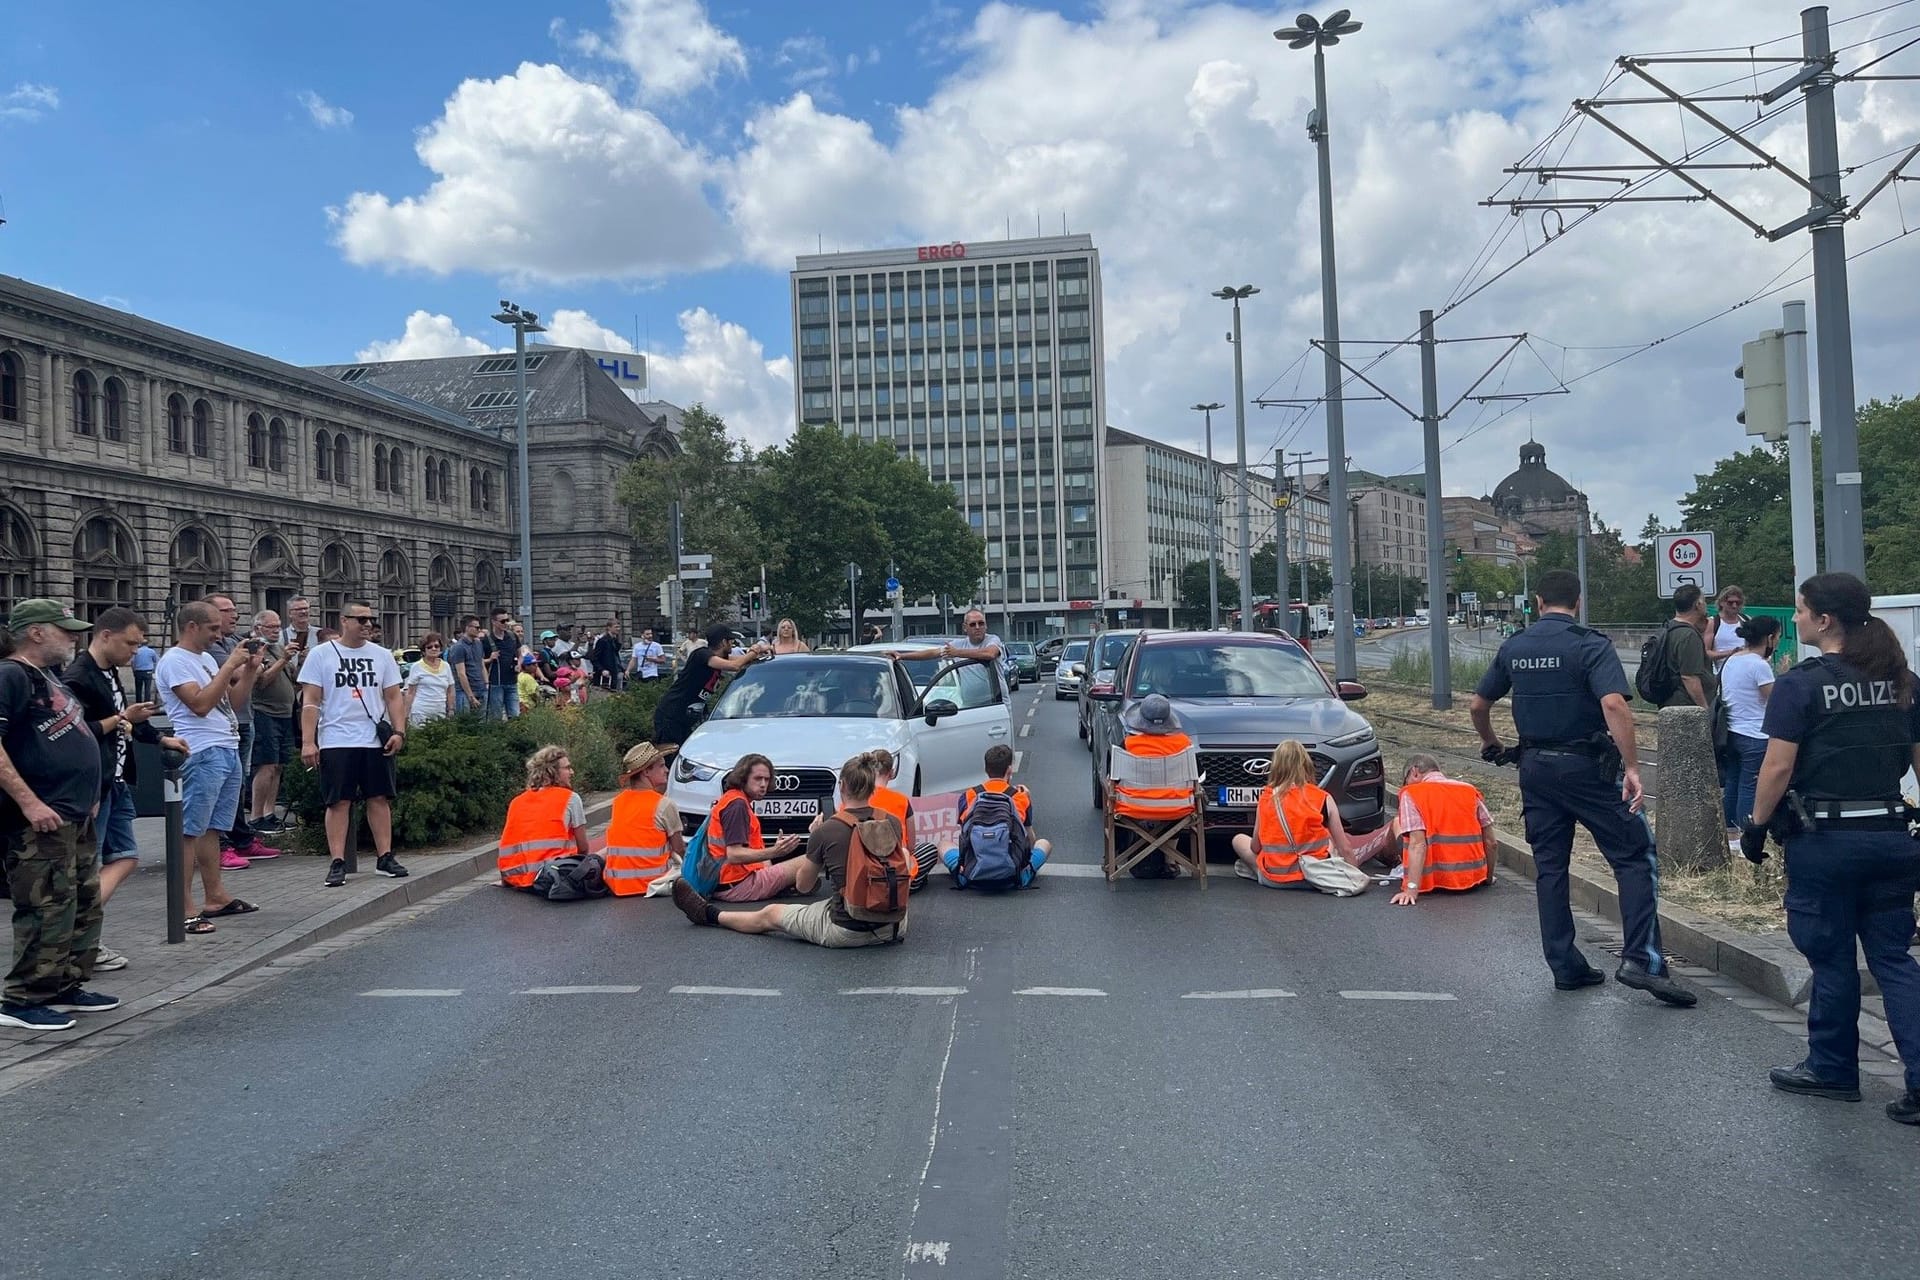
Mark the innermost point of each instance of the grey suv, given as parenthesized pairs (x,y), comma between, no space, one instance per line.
(1238,694)
(1107,654)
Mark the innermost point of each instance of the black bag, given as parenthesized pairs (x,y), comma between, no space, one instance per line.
(1655,681)
(572,879)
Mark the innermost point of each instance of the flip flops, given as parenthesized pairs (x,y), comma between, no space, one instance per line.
(238,907)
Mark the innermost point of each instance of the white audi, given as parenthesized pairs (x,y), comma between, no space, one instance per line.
(811,712)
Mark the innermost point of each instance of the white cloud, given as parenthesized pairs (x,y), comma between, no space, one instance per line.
(428,336)
(27,102)
(539,174)
(324,113)
(671,46)
(807,60)
(724,367)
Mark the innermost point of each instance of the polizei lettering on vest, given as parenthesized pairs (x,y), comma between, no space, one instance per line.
(356,673)
(1534,664)
(1861,693)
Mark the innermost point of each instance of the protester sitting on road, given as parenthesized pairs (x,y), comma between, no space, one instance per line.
(984,857)
(787,638)
(739,861)
(685,703)
(899,806)
(545,823)
(1295,819)
(1445,830)
(645,836)
(878,861)
(1152,731)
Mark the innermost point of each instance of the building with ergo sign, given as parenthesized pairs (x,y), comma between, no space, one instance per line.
(983,361)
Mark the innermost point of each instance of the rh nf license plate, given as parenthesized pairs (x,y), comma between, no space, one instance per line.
(786,808)
(1241,797)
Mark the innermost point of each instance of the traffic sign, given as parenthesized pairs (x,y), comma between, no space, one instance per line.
(1684,558)
(893,585)
(1469,597)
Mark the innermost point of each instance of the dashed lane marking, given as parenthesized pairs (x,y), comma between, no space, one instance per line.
(580,991)
(1019,758)
(722,991)
(1251,993)
(1397,995)
(1025,730)
(1060,991)
(413,992)
(904,991)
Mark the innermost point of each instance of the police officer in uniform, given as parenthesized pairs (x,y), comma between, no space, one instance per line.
(1841,730)
(1578,763)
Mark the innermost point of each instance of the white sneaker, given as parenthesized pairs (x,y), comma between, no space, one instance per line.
(106,960)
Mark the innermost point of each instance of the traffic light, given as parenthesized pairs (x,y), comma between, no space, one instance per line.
(1763,375)
(666,597)
(1459,556)
(756,601)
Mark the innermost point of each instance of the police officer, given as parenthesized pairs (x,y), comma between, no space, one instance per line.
(1578,763)
(1841,730)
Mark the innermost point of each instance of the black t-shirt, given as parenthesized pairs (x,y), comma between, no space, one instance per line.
(827,849)
(692,690)
(45,732)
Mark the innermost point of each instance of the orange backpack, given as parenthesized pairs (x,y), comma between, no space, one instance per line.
(875,891)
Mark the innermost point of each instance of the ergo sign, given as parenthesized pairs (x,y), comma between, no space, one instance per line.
(942,252)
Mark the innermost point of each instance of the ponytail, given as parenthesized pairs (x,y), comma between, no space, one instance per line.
(1868,644)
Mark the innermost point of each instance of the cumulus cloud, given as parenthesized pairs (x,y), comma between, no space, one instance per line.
(428,336)
(323,113)
(27,102)
(721,365)
(671,46)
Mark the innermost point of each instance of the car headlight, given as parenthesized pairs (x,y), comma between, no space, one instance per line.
(687,769)
(1352,739)
(1367,770)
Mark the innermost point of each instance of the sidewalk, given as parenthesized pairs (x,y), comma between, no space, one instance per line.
(296,911)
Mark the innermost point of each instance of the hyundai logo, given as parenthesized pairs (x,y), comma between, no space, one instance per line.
(786,782)
(1257,766)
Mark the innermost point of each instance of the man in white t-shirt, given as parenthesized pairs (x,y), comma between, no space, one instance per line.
(647,655)
(350,699)
(975,644)
(194,690)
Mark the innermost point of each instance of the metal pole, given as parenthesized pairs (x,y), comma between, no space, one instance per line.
(1280,551)
(1580,553)
(899,602)
(526,495)
(1839,433)
(853,603)
(1439,645)
(1213,533)
(1300,469)
(177,871)
(1793,326)
(1246,517)
(1343,656)
(679,586)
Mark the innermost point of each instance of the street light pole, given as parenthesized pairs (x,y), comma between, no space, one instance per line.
(524,323)
(1213,524)
(1236,296)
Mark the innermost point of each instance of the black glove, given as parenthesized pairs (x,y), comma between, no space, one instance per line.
(1753,844)
(1493,753)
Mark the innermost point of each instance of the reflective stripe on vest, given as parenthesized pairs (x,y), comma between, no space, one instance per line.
(1153,802)
(735,872)
(1456,849)
(1289,828)
(636,849)
(535,835)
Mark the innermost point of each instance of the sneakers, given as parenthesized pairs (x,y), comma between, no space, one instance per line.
(336,873)
(231,861)
(1905,1109)
(81,1000)
(691,904)
(106,960)
(388,865)
(33,1017)
(254,851)
(271,825)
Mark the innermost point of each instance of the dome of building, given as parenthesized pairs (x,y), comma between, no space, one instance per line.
(1533,486)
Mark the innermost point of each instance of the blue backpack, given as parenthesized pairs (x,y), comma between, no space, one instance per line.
(699,868)
(995,846)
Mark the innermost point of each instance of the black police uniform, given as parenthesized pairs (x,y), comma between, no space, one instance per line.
(1852,869)
(1558,671)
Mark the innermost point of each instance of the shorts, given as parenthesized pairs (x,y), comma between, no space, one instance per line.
(767,882)
(209,791)
(272,740)
(813,922)
(113,823)
(354,773)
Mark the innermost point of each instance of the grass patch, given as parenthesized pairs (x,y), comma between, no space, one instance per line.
(1417,669)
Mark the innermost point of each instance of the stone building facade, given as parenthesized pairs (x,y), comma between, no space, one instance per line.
(1479,532)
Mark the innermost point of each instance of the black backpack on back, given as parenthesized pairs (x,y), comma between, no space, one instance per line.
(1655,681)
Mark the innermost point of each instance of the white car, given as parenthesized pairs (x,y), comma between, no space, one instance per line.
(811,712)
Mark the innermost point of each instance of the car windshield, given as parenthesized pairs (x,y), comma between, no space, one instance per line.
(796,686)
(1074,652)
(1112,650)
(1226,671)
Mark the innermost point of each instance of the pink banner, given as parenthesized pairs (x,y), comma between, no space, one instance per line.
(936,820)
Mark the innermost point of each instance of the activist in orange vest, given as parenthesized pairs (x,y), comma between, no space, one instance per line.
(1295,819)
(899,806)
(1153,730)
(645,836)
(545,822)
(751,870)
(1446,832)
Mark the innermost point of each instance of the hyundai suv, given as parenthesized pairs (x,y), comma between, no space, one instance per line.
(1238,695)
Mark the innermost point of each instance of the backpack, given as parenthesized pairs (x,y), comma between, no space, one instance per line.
(1655,681)
(995,846)
(878,870)
(572,879)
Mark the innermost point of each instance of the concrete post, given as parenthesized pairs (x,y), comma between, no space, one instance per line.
(1688,819)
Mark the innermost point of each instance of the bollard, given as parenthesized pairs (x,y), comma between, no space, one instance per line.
(1688,820)
(177,870)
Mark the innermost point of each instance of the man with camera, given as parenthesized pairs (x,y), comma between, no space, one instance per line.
(354,723)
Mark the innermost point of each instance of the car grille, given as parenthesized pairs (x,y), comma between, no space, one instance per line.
(805,784)
(1229,768)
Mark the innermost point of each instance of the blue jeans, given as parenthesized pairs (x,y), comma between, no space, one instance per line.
(114,825)
(1843,885)
(462,703)
(1038,859)
(1739,771)
(503,700)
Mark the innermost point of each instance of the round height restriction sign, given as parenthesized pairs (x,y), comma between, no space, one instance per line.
(1684,553)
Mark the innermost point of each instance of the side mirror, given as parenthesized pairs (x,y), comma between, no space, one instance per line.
(939,709)
(1351,690)
(1103,687)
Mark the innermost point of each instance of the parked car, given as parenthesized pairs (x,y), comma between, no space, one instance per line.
(1009,669)
(1238,695)
(1025,658)
(1048,651)
(1109,651)
(1067,675)
(810,713)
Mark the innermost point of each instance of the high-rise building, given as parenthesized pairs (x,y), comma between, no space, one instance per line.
(984,362)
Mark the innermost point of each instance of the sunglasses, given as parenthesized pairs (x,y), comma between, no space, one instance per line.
(356,617)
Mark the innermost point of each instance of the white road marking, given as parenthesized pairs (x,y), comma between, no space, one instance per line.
(1396,995)
(1252,993)
(722,991)
(1033,710)
(933,1131)
(580,991)
(1025,730)
(934,1251)
(1019,758)
(1060,991)
(904,991)
(1074,870)
(409,992)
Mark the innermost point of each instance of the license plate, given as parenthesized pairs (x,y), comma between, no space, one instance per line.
(786,808)
(1240,797)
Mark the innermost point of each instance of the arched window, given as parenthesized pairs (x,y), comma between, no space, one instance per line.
(396,580)
(11,389)
(276,447)
(379,468)
(446,481)
(443,585)
(342,459)
(486,490)
(202,429)
(104,562)
(195,566)
(273,573)
(473,488)
(486,587)
(566,499)
(322,456)
(396,471)
(19,560)
(176,424)
(83,393)
(337,578)
(115,405)
(432,476)
(256,441)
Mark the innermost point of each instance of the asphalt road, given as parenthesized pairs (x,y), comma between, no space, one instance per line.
(1265,1085)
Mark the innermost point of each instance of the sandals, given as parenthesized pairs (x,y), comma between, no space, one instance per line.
(199,924)
(238,907)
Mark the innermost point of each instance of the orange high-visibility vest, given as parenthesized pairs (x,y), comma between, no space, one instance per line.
(1022,800)
(535,835)
(895,803)
(1456,847)
(1154,802)
(1302,811)
(735,872)
(636,850)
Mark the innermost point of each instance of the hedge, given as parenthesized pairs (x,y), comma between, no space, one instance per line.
(456,776)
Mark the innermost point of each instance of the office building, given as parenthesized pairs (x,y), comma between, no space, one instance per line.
(1479,532)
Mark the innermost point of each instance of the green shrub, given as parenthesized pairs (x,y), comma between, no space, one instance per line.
(628,716)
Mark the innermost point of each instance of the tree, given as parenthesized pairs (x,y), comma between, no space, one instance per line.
(710,479)
(1192,598)
(1319,576)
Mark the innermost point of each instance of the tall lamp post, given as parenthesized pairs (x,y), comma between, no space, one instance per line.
(1307,31)
(524,323)
(1237,296)
(1213,523)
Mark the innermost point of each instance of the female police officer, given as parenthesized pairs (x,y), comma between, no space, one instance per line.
(1841,730)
